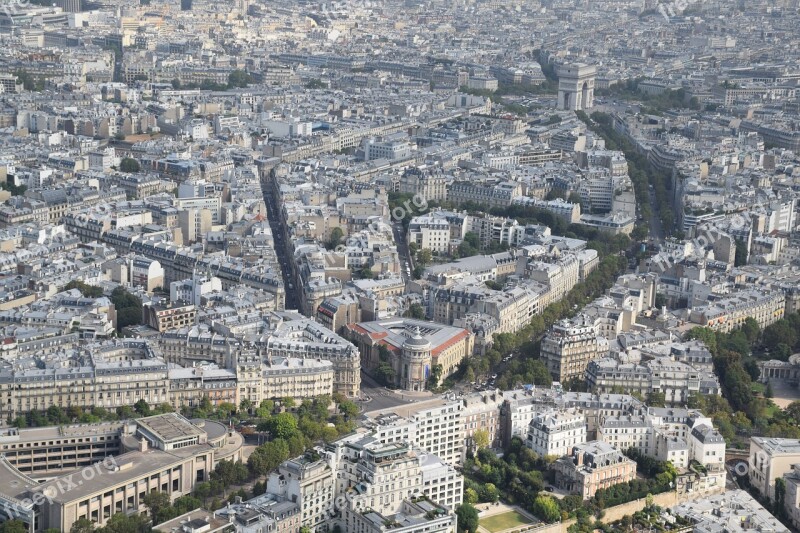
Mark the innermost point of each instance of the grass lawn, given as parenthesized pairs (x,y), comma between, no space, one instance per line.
(771,410)
(502,521)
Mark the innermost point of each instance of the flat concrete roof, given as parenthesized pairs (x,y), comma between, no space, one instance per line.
(13,483)
(132,466)
(58,432)
(169,427)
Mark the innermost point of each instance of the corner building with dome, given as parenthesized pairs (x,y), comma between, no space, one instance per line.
(415,349)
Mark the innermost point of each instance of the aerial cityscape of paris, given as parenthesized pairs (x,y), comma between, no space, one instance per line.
(367,266)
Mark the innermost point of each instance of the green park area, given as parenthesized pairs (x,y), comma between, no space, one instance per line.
(503,521)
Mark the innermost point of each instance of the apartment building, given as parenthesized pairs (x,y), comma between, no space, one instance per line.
(440,430)
(189,387)
(296,378)
(441,482)
(592,466)
(727,313)
(568,347)
(428,184)
(294,336)
(771,458)
(628,431)
(102,383)
(416,515)
(430,232)
(791,502)
(511,308)
(489,193)
(166,317)
(556,432)
(481,412)
(265,512)
(310,483)
(732,510)
(676,380)
(559,275)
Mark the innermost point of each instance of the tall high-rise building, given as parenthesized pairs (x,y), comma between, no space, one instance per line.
(186,5)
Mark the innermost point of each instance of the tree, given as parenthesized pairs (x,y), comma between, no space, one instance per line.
(123,523)
(489,492)
(435,376)
(205,403)
(129,165)
(640,233)
(203,490)
(385,374)
(265,409)
(184,504)
(13,526)
(348,408)
(555,194)
(706,335)
(469,375)
(546,508)
(226,409)
(283,425)
(239,78)
(481,438)
(470,496)
(792,412)
(24,77)
(416,311)
(781,332)
(740,257)
(335,238)
(467,518)
(128,307)
(142,407)
(780,497)
(82,525)
(472,239)
(424,257)
(158,505)
(88,291)
(751,329)
(656,399)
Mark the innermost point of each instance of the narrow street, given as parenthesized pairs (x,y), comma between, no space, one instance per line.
(281,246)
(406,261)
